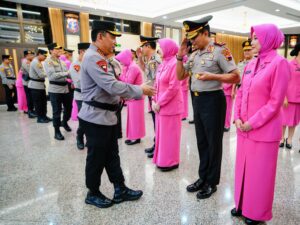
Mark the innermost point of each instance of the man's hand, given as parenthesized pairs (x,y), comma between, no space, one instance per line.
(184,49)
(139,52)
(10,86)
(205,76)
(148,90)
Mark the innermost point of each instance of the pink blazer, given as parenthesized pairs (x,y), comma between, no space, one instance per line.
(185,84)
(169,95)
(227,88)
(293,93)
(260,97)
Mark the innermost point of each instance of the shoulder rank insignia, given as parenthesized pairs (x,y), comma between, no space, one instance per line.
(227,54)
(219,43)
(210,48)
(102,64)
(77,68)
(2,69)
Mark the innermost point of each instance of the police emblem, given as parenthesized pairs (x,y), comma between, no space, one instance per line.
(77,68)
(102,64)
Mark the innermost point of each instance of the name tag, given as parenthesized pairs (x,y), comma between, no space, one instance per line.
(247,72)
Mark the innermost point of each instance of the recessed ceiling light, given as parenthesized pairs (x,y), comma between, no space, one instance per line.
(107,13)
(277,10)
(165,17)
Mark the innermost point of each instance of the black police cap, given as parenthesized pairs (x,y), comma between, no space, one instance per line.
(42,52)
(144,40)
(6,57)
(26,52)
(193,27)
(83,45)
(296,50)
(54,46)
(68,50)
(107,26)
(247,45)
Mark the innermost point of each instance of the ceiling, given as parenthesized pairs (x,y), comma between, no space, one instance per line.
(230,16)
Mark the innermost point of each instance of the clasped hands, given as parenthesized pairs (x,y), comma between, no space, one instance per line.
(244,127)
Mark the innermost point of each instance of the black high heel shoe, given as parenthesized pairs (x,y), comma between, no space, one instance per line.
(287,145)
(281,144)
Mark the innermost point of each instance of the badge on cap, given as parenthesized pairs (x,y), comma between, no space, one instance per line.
(102,64)
(77,68)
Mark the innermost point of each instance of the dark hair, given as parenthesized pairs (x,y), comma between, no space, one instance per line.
(152,45)
(206,28)
(95,33)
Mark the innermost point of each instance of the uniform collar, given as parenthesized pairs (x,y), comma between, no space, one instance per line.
(209,48)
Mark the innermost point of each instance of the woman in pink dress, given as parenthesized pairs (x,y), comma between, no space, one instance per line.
(229,92)
(22,102)
(291,106)
(258,119)
(185,95)
(168,106)
(131,74)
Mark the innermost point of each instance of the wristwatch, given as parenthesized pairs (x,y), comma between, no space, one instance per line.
(179,58)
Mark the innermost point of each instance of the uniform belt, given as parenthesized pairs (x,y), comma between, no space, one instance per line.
(78,90)
(37,80)
(10,78)
(197,93)
(105,106)
(59,83)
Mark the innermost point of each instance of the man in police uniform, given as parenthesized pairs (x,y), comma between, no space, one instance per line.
(75,76)
(37,86)
(210,65)
(248,55)
(9,82)
(25,67)
(101,92)
(58,74)
(149,60)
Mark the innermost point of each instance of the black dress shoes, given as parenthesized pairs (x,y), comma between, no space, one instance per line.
(127,141)
(150,155)
(226,129)
(134,142)
(166,169)
(125,194)
(58,135)
(195,186)
(66,126)
(191,122)
(80,144)
(150,150)
(48,118)
(32,115)
(99,200)
(42,120)
(251,222)
(206,191)
(236,213)
(287,145)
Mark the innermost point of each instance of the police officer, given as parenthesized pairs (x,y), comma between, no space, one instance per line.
(25,67)
(58,74)
(149,60)
(37,86)
(211,65)
(248,55)
(101,92)
(75,76)
(9,82)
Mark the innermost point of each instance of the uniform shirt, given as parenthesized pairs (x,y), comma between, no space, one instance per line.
(151,68)
(98,83)
(217,59)
(25,67)
(241,66)
(75,76)
(57,71)
(37,72)
(7,72)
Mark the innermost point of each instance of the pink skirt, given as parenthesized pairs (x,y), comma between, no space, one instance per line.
(135,119)
(22,101)
(185,113)
(255,172)
(167,140)
(74,111)
(291,114)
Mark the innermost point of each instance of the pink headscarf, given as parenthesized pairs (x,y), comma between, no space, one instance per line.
(269,36)
(125,57)
(169,48)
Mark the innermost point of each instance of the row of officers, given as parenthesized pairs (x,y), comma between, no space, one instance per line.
(261,91)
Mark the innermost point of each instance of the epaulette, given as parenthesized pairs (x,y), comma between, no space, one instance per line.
(219,43)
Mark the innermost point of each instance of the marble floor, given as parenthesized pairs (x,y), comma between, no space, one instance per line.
(42,181)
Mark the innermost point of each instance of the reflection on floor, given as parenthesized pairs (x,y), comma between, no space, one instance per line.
(42,181)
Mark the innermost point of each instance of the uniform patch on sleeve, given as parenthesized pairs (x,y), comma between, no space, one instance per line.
(227,54)
(102,64)
(77,68)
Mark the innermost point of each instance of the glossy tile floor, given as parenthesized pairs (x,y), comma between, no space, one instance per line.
(42,181)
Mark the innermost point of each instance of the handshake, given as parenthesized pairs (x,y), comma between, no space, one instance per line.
(147,89)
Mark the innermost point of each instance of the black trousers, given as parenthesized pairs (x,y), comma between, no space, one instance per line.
(57,101)
(10,96)
(40,102)
(29,99)
(209,117)
(80,132)
(103,152)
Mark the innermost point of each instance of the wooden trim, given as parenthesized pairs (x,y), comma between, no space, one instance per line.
(15,62)
(20,17)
